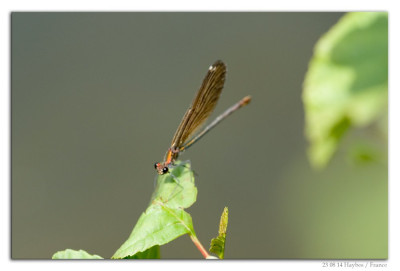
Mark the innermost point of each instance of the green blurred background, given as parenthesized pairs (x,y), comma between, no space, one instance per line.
(96,99)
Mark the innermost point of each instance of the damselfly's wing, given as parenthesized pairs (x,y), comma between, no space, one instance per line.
(203,104)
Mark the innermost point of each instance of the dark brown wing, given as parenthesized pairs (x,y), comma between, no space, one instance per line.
(203,104)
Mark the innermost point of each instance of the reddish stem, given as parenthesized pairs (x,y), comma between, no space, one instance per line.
(200,246)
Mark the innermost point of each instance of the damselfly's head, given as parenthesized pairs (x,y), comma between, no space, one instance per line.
(161,168)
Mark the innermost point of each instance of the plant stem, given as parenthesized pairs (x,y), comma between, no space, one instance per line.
(199,246)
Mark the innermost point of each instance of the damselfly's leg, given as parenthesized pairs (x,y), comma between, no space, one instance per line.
(183,164)
(172,168)
(178,184)
(155,180)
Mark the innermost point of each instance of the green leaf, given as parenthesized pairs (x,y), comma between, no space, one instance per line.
(164,220)
(74,254)
(346,83)
(176,190)
(218,244)
(151,253)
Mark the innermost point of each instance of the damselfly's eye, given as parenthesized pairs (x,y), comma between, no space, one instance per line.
(164,170)
(155,165)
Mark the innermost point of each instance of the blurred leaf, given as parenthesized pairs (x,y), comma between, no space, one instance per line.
(164,220)
(218,243)
(346,83)
(74,254)
(362,153)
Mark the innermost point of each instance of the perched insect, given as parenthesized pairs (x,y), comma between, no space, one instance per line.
(202,106)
